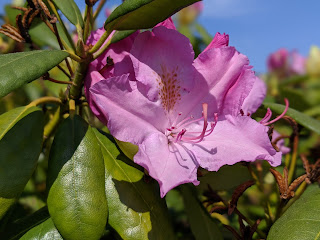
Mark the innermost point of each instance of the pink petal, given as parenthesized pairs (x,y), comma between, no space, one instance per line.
(129,116)
(171,165)
(162,62)
(228,77)
(218,41)
(233,140)
(168,23)
(255,98)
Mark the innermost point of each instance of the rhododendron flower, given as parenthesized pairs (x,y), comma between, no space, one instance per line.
(183,113)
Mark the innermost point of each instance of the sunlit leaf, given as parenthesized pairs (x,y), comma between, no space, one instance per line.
(43,231)
(301,220)
(136,210)
(142,14)
(18,69)
(71,11)
(76,200)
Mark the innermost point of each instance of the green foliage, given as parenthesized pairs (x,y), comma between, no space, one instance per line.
(202,225)
(44,231)
(301,220)
(71,11)
(21,131)
(301,118)
(76,200)
(119,35)
(227,177)
(142,14)
(30,66)
(133,203)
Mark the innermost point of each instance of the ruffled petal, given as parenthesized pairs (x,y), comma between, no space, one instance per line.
(234,140)
(219,40)
(255,98)
(228,77)
(170,164)
(130,116)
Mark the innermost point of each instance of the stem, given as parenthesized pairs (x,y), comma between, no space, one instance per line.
(81,69)
(298,193)
(45,100)
(48,129)
(293,162)
(61,47)
(74,57)
(101,50)
(98,10)
(53,7)
(64,71)
(58,81)
(88,23)
(101,41)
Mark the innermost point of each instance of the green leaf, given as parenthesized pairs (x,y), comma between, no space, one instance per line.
(70,9)
(11,14)
(42,36)
(44,231)
(77,203)
(301,118)
(202,225)
(136,210)
(119,35)
(142,14)
(17,229)
(226,178)
(127,148)
(301,220)
(21,132)
(18,69)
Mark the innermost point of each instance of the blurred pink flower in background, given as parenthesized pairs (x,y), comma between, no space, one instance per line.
(285,64)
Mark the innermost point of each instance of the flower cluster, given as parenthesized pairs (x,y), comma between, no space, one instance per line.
(182,113)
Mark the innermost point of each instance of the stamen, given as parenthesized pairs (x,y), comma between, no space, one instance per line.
(282,114)
(267,117)
(180,134)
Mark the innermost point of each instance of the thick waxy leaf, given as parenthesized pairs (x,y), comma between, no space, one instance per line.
(44,231)
(21,131)
(71,11)
(76,200)
(301,118)
(202,225)
(127,148)
(18,69)
(226,178)
(43,36)
(17,229)
(142,14)
(136,210)
(301,220)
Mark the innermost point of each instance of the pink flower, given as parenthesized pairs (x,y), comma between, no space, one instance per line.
(183,113)
(278,60)
(285,63)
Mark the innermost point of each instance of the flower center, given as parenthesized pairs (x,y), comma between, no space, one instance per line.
(179,133)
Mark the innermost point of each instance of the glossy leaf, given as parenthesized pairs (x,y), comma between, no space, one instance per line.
(77,203)
(127,148)
(16,229)
(301,220)
(18,69)
(227,177)
(142,14)
(136,210)
(21,132)
(71,11)
(202,225)
(301,118)
(44,231)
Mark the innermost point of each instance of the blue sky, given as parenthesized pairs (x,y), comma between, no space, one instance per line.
(257,28)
